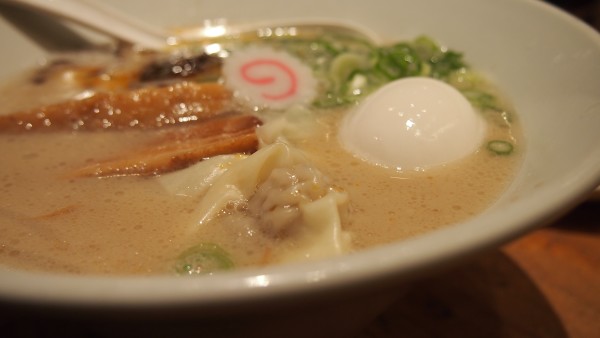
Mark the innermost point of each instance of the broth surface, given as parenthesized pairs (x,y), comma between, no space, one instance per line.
(131,225)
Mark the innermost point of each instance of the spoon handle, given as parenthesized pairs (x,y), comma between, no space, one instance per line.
(101,18)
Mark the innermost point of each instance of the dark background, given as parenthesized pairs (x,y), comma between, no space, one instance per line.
(586,10)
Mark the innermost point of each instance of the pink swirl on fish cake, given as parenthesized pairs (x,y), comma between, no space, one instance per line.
(264,77)
(276,65)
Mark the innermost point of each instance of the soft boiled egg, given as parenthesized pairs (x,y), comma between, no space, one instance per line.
(413,124)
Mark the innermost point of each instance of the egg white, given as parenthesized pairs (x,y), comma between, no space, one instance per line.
(413,124)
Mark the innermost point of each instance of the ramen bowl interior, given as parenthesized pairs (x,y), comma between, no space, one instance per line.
(543,59)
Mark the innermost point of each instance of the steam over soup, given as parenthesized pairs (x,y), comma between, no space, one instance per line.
(226,153)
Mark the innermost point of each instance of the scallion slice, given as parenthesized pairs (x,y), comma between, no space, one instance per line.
(202,259)
(500,147)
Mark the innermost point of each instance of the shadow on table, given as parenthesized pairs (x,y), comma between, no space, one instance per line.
(488,297)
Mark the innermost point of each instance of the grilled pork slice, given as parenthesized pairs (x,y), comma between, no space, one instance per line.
(181,147)
(145,108)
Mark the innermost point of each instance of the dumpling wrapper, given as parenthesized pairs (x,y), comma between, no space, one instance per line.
(228,179)
(195,180)
(323,221)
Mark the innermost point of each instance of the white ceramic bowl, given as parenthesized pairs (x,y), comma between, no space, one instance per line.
(545,60)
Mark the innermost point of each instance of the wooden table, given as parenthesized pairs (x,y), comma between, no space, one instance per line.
(546,284)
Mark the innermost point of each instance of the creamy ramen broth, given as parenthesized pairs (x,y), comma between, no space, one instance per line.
(138,225)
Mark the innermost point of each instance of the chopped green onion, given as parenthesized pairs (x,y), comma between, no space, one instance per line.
(397,61)
(349,68)
(202,259)
(499,147)
(345,65)
(481,100)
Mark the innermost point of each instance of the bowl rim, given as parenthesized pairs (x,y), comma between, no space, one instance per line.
(351,270)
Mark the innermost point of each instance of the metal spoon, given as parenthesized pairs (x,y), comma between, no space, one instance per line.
(100,18)
(103,19)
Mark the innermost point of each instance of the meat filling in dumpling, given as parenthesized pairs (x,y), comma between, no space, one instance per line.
(274,192)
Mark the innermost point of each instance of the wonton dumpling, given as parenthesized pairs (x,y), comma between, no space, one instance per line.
(195,180)
(286,198)
(323,222)
(240,181)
